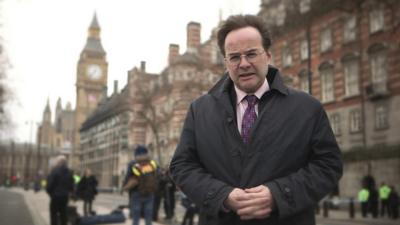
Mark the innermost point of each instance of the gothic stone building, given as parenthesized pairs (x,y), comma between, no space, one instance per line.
(91,83)
(54,137)
(18,160)
(351,50)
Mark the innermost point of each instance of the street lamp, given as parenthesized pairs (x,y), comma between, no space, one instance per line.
(28,149)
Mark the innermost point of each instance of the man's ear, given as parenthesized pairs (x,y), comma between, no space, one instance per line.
(269,56)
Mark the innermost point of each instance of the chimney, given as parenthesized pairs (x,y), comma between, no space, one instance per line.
(143,66)
(193,36)
(115,87)
(104,94)
(173,53)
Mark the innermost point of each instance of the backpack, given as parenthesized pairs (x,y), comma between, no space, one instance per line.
(147,173)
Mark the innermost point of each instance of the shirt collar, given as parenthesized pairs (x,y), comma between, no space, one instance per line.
(259,93)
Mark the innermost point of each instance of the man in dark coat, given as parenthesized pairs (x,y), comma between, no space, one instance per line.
(60,185)
(253,151)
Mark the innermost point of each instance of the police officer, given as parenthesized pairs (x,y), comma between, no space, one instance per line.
(384,192)
(363,196)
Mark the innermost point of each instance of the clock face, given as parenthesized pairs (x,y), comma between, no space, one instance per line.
(94,71)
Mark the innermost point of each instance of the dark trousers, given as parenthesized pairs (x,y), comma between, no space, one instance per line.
(394,211)
(374,209)
(157,201)
(140,202)
(87,207)
(169,204)
(385,207)
(189,216)
(364,209)
(58,210)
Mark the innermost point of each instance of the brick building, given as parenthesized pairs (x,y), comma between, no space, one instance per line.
(160,102)
(351,51)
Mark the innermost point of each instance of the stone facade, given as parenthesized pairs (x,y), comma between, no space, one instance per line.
(353,58)
(104,140)
(23,161)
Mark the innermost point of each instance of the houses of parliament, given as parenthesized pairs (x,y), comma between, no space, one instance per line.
(344,53)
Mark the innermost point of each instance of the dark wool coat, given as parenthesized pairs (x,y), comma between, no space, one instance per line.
(293,151)
(87,188)
(60,182)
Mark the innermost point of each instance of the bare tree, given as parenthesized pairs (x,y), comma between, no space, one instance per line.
(155,116)
(4,91)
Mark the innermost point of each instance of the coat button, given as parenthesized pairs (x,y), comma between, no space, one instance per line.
(287,190)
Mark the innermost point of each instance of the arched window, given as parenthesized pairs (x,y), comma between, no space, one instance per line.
(303,80)
(378,67)
(327,82)
(286,56)
(351,74)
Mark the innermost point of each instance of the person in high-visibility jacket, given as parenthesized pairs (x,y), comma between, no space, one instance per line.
(363,196)
(143,173)
(384,192)
(77,179)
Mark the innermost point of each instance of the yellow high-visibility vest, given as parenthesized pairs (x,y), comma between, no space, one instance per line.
(77,178)
(384,192)
(363,195)
(144,169)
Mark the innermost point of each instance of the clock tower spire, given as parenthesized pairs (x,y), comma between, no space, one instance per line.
(91,80)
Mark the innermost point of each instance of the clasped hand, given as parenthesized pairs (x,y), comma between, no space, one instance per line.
(251,203)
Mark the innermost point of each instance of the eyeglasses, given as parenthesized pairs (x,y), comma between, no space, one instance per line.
(251,57)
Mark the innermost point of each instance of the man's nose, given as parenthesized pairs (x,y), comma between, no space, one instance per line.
(243,61)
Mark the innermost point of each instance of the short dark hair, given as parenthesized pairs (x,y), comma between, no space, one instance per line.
(240,21)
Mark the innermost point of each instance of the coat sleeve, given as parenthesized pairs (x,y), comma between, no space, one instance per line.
(304,188)
(50,183)
(191,177)
(128,173)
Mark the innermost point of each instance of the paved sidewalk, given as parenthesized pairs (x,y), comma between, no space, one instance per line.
(38,204)
(343,215)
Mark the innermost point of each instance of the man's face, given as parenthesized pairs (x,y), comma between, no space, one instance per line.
(246,59)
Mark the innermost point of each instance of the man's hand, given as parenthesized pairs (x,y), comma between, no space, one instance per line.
(234,200)
(256,203)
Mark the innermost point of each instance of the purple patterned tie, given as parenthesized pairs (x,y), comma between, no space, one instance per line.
(249,117)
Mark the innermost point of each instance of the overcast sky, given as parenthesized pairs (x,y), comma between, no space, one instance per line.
(43,40)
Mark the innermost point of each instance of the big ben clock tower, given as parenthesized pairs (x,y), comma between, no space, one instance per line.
(91,83)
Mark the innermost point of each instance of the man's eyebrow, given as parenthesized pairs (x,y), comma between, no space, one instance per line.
(247,51)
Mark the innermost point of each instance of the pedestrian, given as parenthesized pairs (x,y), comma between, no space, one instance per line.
(384,192)
(253,150)
(77,179)
(59,186)
(143,170)
(363,196)
(159,194)
(87,191)
(169,196)
(373,201)
(191,209)
(393,203)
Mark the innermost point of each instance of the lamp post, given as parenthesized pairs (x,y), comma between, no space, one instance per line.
(28,149)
